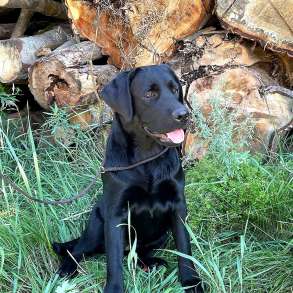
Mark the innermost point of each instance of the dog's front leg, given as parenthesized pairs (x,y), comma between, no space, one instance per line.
(114,254)
(187,272)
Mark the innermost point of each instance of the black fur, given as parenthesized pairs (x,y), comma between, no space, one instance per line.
(145,98)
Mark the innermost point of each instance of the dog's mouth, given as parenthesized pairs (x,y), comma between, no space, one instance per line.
(174,137)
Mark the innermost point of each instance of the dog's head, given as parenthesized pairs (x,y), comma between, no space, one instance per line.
(153,95)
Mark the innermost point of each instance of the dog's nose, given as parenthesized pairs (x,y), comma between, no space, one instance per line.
(181,114)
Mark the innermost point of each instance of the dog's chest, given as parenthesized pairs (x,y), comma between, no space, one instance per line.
(159,197)
(157,191)
(155,187)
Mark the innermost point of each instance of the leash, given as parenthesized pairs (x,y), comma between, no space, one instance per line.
(81,193)
(113,169)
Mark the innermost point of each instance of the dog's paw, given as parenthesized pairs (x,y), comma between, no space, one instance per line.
(194,284)
(197,289)
(62,248)
(57,247)
(113,288)
(68,268)
(147,264)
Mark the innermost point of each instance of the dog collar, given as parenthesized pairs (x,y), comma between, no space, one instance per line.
(119,168)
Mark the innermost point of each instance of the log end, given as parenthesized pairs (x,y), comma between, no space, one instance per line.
(48,79)
(3,3)
(267,22)
(10,62)
(241,94)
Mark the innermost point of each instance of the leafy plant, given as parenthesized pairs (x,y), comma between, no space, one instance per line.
(227,136)
(260,193)
(8,100)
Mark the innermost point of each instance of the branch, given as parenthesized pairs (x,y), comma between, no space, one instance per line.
(16,55)
(278,89)
(46,7)
(22,23)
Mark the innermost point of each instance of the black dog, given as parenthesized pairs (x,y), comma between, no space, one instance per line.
(142,174)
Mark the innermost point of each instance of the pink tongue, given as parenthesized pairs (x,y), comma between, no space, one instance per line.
(177,136)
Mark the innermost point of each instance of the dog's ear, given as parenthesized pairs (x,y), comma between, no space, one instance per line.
(116,94)
(169,69)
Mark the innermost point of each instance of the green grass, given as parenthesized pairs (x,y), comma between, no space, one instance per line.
(259,194)
(240,219)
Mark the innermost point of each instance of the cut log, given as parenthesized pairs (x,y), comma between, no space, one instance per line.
(237,74)
(16,55)
(47,51)
(96,115)
(6,30)
(139,32)
(46,7)
(269,22)
(239,91)
(212,54)
(67,78)
(67,44)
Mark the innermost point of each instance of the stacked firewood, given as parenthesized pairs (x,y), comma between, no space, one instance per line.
(243,49)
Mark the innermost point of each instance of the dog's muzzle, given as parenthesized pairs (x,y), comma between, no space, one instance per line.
(174,137)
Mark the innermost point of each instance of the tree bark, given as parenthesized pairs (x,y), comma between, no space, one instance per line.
(46,7)
(67,44)
(16,55)
(67,77)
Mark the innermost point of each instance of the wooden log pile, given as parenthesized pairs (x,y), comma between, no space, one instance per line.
(66,77)
(248,81)
(243,50)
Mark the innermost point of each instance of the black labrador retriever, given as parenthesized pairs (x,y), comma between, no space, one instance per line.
(142,175)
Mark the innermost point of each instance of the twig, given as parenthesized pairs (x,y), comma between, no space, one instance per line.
(207,70)
(278,89)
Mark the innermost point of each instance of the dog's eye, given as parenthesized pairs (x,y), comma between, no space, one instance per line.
(151,94)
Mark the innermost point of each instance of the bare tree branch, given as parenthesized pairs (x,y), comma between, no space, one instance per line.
(22,23)
(46,7)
